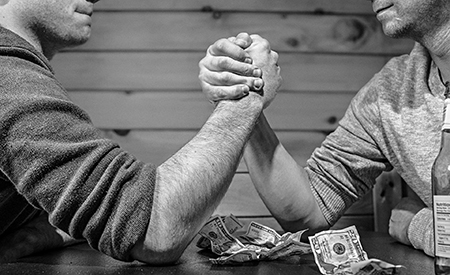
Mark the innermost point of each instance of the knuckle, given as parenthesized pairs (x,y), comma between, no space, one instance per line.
(275,55)
(201,75)
(221,94)
(223,63)
(225,77)
(242,34)
(248,70)
(201,64)
(220,44)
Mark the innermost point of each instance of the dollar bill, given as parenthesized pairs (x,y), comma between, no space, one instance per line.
(261,235)
(283,249)
(333,248)
(232,224)
(222,242)
(369,267)
(240,256)
(288,245)
(260,242)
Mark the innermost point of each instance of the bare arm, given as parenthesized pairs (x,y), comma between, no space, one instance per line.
(282,184)
(190,185)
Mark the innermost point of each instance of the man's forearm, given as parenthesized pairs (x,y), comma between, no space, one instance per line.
(282,184)
(190,184)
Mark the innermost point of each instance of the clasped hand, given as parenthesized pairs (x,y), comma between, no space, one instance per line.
(401,217)
(238,65)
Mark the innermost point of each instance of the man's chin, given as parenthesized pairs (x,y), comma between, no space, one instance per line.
(78,40)
(394,31)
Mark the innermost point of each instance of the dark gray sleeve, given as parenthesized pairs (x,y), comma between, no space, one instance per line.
(344,168)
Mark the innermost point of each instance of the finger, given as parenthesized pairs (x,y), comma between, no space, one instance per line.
(222,63)
(259,42)
(227,79)
(243,44)
(243,40)
(217,93)
(232,39)
(224,47)
(256,37)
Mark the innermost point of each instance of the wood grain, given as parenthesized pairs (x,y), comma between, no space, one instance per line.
(179,71)
(138,79)
(315,6)
(189,110)
(195,31)
(156,146)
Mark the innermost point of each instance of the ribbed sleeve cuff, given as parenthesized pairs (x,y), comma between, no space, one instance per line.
(420,231)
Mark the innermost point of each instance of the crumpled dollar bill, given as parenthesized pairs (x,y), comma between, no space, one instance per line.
(339,252)
(231,224)
(336,252)
(369,267)
(257,244)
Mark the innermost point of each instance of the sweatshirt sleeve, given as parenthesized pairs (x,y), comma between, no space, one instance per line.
(345,167)
(56,158)
(420,231)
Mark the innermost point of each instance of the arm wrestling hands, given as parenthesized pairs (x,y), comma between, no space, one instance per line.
(270,165)
(191,183)
(228,73)
(235,66)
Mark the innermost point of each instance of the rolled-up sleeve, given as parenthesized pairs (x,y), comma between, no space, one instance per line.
(421,232)
(345,167)
(59,162)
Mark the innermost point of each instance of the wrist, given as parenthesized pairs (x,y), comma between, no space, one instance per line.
(249,105)
(420,231)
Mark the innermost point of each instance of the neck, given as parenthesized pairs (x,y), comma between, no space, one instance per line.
(438,45)
(10,22)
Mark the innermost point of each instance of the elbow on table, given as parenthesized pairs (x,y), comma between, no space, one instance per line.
(312,225)
(163,253)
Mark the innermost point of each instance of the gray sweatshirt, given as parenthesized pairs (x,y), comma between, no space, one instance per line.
(393,122)
(53,159)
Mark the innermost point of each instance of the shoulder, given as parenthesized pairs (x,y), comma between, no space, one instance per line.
(398,77)
(402,71)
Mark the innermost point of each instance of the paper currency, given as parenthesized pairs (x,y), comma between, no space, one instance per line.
(222,242)
(336,252)
(369,267)
(259,234)
(332,248)
(258,243)
(232,224)
(288,245)
(339,252)
(243,255)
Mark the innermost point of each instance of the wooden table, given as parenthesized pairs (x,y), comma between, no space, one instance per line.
(81,259)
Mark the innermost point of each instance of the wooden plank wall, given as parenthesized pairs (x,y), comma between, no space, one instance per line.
(137,76)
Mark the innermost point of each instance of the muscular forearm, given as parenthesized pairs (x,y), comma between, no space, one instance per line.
(190,184)
(282,184)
